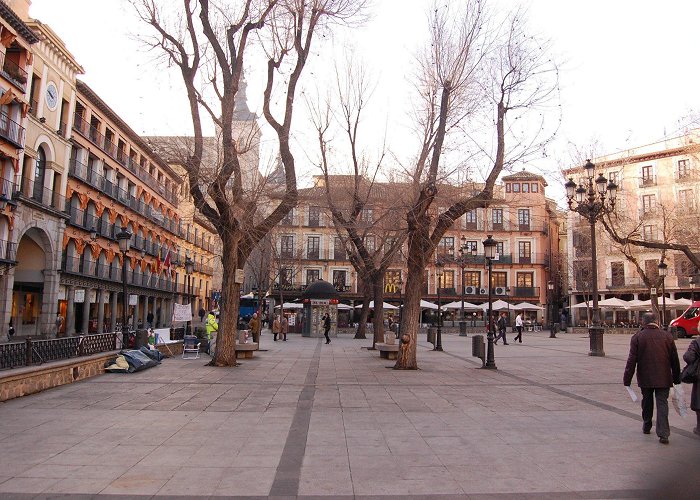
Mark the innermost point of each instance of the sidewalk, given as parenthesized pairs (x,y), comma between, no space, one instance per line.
(304,419)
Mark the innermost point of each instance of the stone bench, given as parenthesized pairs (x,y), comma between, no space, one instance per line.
(246,350)
(387,351)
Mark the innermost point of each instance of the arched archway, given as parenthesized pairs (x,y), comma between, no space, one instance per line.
(31,300)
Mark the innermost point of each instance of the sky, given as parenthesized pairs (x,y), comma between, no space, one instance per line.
(627,71)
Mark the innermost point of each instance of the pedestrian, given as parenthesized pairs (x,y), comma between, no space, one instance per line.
(501,324)
(690,356)
(519,328)
(276,328)
(202,313)
(149,319)
(254,326)
(284,327)
(563,320)
(327,327)
(653,353)
(59,324)
(212,330)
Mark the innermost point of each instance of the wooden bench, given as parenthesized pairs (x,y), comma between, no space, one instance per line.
(246,350)
(387,351)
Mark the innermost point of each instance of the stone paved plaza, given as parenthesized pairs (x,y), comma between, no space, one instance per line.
(308,420)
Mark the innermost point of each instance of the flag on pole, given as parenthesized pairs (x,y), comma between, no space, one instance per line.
(166,261)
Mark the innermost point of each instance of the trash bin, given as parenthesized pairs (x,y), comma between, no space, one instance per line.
(141,338)
(432,332)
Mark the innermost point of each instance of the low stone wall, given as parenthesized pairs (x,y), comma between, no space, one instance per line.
(32,379)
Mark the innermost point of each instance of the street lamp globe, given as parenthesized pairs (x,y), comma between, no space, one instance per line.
(490,247)
(663,269)
(124,238)
(590,168)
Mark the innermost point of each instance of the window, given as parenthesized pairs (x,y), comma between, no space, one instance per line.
(471,247)
(516,187)
(534,187)
(446,247)
(470,220)
(524,252)
(369,244)
(340,279)
(612,177)
(339,249)
(648,203)
(313,247)
(312,275)
(499,247)
(499,279)
(683,169)
(367,215)
(686,200)
(647,175)
(524,218)
(286,274)
(508,187)
(649,232)
(524,280)
(448,280)
(472,278)
(39,173)
(651,269)
(497,217)
(288,219)
(526,187)
(617,273)
(314,216)
(287,247)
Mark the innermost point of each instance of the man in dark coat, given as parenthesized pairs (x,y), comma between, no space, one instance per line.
(653,353)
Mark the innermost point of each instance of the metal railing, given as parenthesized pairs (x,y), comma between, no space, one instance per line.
(11,130)
(12,71)
(30,190)
(647,181)
(8,251)
(30,352)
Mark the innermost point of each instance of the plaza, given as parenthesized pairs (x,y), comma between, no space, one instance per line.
(307,420)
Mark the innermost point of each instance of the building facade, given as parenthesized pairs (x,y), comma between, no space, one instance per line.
(521,219)
(657,201)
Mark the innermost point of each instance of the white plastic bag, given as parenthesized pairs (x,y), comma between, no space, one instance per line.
(678,399)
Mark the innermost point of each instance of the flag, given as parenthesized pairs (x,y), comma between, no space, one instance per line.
(166,261)
(158,264)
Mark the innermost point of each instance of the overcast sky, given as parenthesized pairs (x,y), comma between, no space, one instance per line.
(628,73)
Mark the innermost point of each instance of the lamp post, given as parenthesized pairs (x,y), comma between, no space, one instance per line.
(550,293)
(490,254)
(462,263)
(663,271)
(439,272)
(189,267)
(398,327)
(592,204)
(124,239)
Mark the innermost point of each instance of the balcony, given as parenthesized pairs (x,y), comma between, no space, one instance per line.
(11,131)
(525,291)
(647,181)
(12,71)
(687,175)
(8,252)
(624,282)
(31,191)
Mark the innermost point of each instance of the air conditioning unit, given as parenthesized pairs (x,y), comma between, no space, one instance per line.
(484,291)
(500,290)
(471,290)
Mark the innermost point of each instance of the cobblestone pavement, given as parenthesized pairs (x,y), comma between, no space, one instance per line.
(308,420)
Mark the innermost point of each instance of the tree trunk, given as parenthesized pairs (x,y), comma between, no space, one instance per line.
(410,321)
(364,314)
(225,354)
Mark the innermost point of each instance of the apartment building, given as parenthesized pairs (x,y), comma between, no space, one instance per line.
(25,293)
(657,200)
(522,220)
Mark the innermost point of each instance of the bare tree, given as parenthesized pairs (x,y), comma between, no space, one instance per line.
(470,68)
(210,43)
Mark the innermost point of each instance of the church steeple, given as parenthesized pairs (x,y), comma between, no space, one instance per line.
(241,112)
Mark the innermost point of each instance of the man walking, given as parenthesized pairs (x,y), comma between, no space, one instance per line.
(653,353)
(501,325)
(327,327)
(519,328)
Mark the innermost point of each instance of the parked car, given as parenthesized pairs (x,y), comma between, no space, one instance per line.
(686,325)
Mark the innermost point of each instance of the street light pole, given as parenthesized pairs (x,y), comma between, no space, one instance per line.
(462,319)
(490,253)
(438,272)
(663,271)
(124,239)
(550,293)
(398,327)
(591,203)
(189,268)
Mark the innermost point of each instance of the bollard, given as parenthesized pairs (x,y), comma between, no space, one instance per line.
(479,348)
(431,335)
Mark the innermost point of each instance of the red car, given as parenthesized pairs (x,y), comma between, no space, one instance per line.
(686,325)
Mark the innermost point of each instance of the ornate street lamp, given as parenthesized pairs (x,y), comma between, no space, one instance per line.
(593,200)
(550,294)
(124,239)
(189,268)
(663,271)
(490,254)
(439,269)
